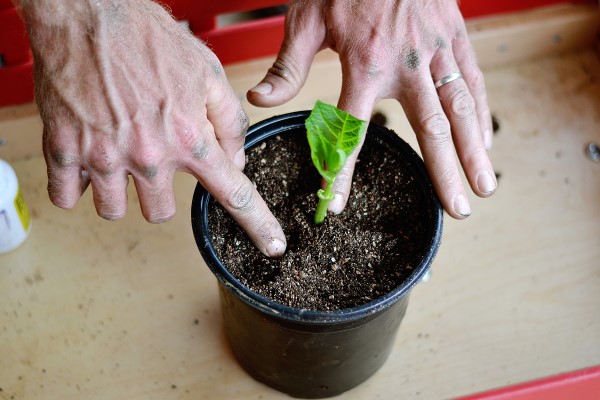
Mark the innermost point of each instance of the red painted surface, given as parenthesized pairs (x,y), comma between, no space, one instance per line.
(16,73)
(16,84)
(576,385)
(231,44)
(477,8)
(5,4)
(252,39)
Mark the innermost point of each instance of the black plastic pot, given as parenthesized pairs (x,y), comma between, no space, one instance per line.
(305,353)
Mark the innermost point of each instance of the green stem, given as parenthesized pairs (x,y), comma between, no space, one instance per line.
(325,196)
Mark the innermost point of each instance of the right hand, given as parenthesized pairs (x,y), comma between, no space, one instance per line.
(396,49)
(124,90)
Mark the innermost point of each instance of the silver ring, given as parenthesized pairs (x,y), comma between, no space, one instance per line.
(447,79)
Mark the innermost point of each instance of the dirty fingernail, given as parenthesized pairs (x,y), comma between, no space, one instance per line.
(275,248)
(486,183)
(461,206)
(262,88)
(336,205)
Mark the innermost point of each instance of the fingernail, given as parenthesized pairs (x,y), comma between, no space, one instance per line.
(262,88)
(487,140)
(336,205)
(461,205)
(486,184)
(275,248)
(240,159)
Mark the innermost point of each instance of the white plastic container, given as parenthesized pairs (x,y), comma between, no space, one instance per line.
(15,221)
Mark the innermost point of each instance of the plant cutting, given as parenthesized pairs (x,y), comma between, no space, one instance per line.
(322,318)
(333,135)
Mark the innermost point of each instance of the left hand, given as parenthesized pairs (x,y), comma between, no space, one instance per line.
(124,90)
(396,49)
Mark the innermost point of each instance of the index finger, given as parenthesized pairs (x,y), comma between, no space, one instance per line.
(238,196)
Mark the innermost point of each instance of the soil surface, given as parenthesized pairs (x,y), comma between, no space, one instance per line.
(350,259)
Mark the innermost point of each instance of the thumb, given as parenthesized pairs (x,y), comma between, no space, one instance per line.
(288,74)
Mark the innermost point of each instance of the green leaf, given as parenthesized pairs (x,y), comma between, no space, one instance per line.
(332,135)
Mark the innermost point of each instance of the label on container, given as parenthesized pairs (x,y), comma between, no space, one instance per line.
(22,210)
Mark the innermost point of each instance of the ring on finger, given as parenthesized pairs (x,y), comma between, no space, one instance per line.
(447,79)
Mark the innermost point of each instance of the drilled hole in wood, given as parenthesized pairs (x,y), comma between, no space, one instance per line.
(592,151)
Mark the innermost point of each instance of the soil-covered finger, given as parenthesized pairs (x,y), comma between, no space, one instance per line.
(236,193)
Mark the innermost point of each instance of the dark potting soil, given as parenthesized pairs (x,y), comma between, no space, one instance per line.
(350,259)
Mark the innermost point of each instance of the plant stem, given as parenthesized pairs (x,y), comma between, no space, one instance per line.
(325,196)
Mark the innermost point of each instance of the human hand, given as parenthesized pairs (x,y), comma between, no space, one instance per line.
(396,49)
(124,90)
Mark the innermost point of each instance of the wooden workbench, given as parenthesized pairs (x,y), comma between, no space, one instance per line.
(91,309)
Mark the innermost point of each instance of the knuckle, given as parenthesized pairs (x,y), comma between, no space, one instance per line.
(147,161)
(63,159)
(188,137)
(244,122)
(105,162)
(187,133)
(280,69)
(343,179)
(475,157)
(369,66)
(436,128)
(462,104)
(449,177)
(215,65)
(200,150)
(241,197)
(475,80)
(283,68)
(372,57)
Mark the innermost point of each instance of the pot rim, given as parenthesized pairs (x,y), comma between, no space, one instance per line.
(275,126)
